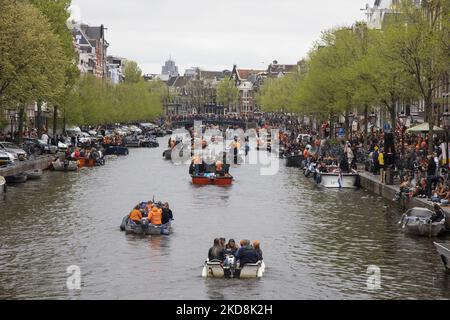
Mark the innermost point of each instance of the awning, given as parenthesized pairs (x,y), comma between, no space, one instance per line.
(424,127)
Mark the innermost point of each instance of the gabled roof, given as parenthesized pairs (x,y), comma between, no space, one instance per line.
(178,81)
(244,74)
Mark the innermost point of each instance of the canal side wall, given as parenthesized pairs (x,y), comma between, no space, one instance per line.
(43,163)
(372,184)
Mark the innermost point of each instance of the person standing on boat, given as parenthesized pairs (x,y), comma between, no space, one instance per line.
(167,215)
(216,252)
(197,163)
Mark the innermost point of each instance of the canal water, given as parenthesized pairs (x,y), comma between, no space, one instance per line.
(317,244)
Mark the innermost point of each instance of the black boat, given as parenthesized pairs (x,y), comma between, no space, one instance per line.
(294,160)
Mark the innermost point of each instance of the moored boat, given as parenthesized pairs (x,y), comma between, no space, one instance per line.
(116,150)
(294,160)
(417,221)
(18,178)
(212,180)
(335,178)
(65,166)
(34,174)
(2,185)
(444,252)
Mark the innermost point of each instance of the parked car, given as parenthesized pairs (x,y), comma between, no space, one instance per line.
(18,153)
(40,146)
(5,158)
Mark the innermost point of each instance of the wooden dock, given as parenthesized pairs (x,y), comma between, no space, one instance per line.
(41,163)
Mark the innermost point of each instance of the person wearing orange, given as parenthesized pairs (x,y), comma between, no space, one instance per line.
(155,216)
(135,215)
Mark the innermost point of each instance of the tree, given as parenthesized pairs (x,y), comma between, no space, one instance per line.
(31,57)
(132,72)
(418,40)
(226,92)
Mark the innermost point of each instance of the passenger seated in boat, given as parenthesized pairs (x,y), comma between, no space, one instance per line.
(247,254)
(256,246)
(322,167)
(219,169)
(155,216)
(216,252)
(231,248)
(135,215)
(76,153)
(167,215)
(438,214)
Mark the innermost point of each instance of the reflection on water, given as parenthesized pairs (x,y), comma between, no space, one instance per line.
(317,243)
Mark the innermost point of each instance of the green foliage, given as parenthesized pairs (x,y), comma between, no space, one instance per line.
(132,72)
(94,101)
(227,93)
(31,56)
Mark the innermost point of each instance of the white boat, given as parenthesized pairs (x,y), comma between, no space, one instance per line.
(417,221)
(65,166)
(2,185)
(444,252)
(335,178)
(216,269)
(34,174)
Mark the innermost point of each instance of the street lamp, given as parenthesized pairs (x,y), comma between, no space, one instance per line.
(351,117)
(446,125)
(402,118)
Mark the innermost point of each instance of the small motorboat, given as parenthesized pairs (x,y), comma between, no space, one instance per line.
(294,160)
(335,178)
(18,178)
(65,165)
(444,252)
(144,228)
(149,143)
(34,174)
(212,179)
(217,269)
(90,162)
(417,221)
(116,150)
(2,185)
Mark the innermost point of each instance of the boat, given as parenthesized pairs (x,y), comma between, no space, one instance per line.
(444,252)
(149,143)
(2,185)
(144,228)
(214,180)
(417,221)
(18,178)
(167,154)
(34,174)
(217,269)
(294,160)
(116,150)
(86,162)
(65,166)
(335,178)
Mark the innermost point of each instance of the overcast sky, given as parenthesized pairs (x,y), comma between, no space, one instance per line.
(215,34)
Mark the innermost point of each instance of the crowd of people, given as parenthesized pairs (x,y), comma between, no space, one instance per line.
(240,255)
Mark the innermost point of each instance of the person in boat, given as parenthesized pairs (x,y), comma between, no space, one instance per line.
(167,215)
(135,215)
(155,216)
(231,248)
(76,153)
(197,162)
(220,169)
(216,252)
(247,254)
(222,242)
(256,245)
(438,214)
